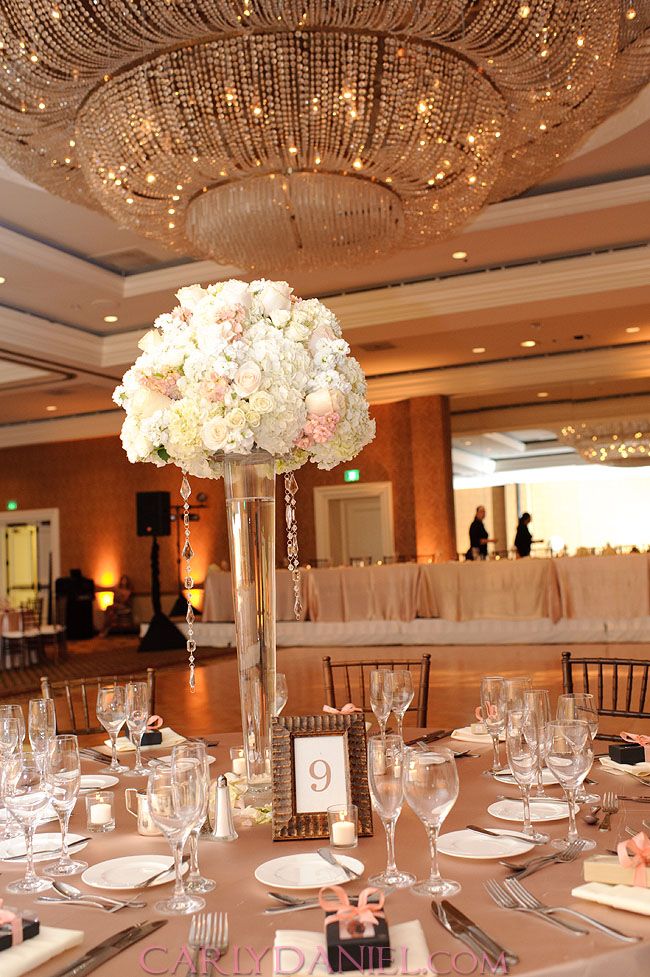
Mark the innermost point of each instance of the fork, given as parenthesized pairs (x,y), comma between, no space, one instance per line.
(535,864)
(505,900)
(208,931)
(609,807)
(521,894)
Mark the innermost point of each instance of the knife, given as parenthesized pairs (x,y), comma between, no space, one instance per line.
(459,920)
(464,935)
(274,910)
(109,948)
(503,834)
(437,734)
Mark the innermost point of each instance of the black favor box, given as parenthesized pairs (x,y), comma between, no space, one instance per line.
(153,738)
(369,951)
(31,928)
(626,753)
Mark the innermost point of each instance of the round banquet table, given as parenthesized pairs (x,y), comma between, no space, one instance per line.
(542,950)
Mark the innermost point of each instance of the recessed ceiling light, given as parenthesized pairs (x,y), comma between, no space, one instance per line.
(629,328)
(528,343)
(478,349)
(110,318)
(543,393)
(459,255)
(2,280)
(51,407)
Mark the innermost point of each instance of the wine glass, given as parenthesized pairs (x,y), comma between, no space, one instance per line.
(569,756)
(175,795)
(386,779)
(580,705)
(514,691)
(431,789)
(42,725)
(381,697)
(537,715)
(196,751)
(14,711)
(400,682)
(522,758)
(64,777)
(137,717)
(9,743)
(493,707)
(281,693)
(26,798)
(111,712)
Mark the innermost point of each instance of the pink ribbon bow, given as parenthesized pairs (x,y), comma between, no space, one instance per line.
(636,738)
(492,712)
(350,917)
(7,918)
(635,853)
(345,710)
(153,723)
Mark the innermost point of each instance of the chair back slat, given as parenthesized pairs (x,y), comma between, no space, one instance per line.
(643,691)
(355,682)
(70,691)
(621,682)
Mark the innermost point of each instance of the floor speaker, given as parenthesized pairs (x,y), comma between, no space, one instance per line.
(153,511)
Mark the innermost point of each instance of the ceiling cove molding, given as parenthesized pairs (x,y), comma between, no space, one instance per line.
(75,428)
(50,258)
(550,416)
(176,276)
(22,332)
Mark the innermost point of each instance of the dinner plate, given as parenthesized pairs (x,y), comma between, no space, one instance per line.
(547,777)
(99,781)
(471,844)
(305,871)
(168,759)
(551,810)
(50,842)
(130,872)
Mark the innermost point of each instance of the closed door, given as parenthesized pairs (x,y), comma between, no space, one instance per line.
(21,556)
(356,528)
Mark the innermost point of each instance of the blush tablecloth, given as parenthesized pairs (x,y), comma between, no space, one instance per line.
(543,952)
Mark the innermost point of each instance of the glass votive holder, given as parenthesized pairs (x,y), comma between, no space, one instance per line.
(343,826)
(238,760)
(100,814)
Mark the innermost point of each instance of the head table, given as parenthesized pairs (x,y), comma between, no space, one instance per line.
(542,950)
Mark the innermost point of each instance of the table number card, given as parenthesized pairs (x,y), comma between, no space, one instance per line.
(318,761)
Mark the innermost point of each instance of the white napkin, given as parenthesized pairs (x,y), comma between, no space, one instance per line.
(311,944)
(619,768)
(465,733)
(124,744)
(27,956)
(633,898)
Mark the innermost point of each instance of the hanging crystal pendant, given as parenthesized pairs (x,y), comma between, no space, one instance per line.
(187,553)
(290,489)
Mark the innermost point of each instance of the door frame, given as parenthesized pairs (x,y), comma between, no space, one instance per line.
(323,494)
(31,516)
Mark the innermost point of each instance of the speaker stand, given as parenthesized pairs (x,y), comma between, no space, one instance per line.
(162,634)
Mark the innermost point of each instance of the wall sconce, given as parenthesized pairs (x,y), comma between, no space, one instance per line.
(105,598)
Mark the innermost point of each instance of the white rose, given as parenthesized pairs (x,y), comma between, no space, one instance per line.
(248,378)
(319,402)
(261,402)
(151,341)
(235,293)
(320,332)
(147,402)
(274,297)
(236,419)
(215,434)
(190,297)
(253,418)
(339,402)
(280,317)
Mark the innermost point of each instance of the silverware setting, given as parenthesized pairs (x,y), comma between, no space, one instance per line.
(506,900)
(329,856)
(90,903)
(466,930)
(71,892)
(109,948)
(522,871)
(520,836)
(208,931)
(644,799)
(533,800)
(609,806)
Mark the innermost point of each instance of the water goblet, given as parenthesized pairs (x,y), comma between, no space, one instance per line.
(569,756)
(137,717)
(431,788)
(175,795)
(27,796)
(580,705)
(522,758)
(400,682)
(281,693)
(111,712)
(42,726)
(386,780)
(64,777)
(493,708)
(537,715)
(196,751)
(381,697)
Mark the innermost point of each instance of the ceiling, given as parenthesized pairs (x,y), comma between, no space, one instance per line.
(565,266)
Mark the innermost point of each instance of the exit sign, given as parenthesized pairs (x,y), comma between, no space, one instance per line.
(351,475)
(12,505)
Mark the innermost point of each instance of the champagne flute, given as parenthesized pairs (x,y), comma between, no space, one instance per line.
(569,756)
(514,691)
(580,705)
(381,697)
(64,776)
(175,795)
(400,682)
(196,751)
(137,717)
(26,799)
(281,693)
(493,707)
(111,712)
(522,758)
(537,715)
(13,711)
(431,788)
(42,726)
(9,743)
(386,779)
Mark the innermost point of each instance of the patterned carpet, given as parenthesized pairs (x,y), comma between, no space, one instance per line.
(114,655)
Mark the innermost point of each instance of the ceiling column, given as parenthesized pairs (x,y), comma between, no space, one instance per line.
(435,532)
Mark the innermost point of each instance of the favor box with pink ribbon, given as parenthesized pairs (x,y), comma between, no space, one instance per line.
(640,741)
(356,930)
(152,735)
(630,866)
(15,927)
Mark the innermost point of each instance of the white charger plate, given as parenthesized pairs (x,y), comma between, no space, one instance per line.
(472,844)
(98,781)
(547,777)
(513,810)
(305,871)
(130,872)
(49,841)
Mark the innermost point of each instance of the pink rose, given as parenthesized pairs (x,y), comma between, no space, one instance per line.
(325,401)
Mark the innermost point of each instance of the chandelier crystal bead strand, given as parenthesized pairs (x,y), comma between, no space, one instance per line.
(187,553)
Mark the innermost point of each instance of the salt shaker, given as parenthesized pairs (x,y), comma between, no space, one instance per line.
(223,827)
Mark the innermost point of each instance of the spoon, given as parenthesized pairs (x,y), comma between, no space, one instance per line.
(71,892)
(591,817)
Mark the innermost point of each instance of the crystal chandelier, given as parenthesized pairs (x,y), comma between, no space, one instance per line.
(624,444)
(273,134)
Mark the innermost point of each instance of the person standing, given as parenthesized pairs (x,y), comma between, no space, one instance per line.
(478,537)
(523,537)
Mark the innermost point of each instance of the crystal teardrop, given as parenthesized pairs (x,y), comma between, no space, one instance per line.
(189,583)
(186,491)
(187,552)
(291,483)
(189,617)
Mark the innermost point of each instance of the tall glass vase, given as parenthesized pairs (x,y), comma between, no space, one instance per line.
(250,504)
